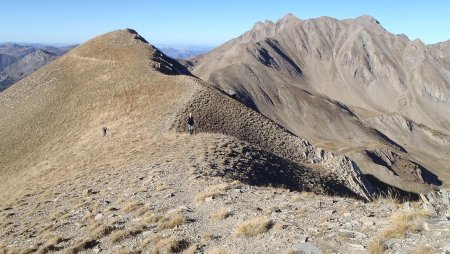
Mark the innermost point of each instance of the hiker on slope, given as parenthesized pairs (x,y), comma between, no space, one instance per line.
(190,123)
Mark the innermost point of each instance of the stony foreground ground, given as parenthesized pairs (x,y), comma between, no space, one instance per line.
(176,205)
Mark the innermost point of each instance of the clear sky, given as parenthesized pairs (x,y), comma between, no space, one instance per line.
(204,22)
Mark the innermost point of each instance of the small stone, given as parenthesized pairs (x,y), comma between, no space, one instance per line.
(351,234)
(147,233)
(347,214)
(99,216)
(424,199)
(170,195)
(96,250)
(357,246)
(330,212)
(390,242)
(437,225)
(367,221)
(447,248)
(208,199)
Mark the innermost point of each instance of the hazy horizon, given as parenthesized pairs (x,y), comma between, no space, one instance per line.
(201,22)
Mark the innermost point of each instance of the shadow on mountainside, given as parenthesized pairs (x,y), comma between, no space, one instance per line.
(272,154)
(237,160)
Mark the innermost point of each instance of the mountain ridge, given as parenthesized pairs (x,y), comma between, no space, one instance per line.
(354,62)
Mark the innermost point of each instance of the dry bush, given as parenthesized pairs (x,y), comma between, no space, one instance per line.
(402,222)
(172,221)
(141,211)
(100,230)
(254,227)
(221,214)
(377,246)
(152,218)
(212,191)
(84,244)
(131,206)
(50,245)
(169,245)
(126,233)
(219,250)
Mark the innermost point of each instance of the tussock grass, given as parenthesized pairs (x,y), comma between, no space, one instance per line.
(171,245)
(131,206)
(212,191)
(172,221)
(150,218)
(254,227)
(401,223)
(221,214)
(50,245)
(141,211)
(126,233)
(101,230)
(84,244)
(377,246)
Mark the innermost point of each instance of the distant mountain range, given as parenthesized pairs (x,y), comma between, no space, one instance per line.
(184,52)
(18,60)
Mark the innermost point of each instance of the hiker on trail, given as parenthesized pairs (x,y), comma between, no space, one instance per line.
(105,130)
(190,123)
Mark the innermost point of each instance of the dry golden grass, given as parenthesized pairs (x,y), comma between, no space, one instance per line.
(50,245)
(152,218)
(170,244)
(172,221)
(221,214)
(126,233)
(401,223)
(81,245)
(219,250)
(212,191)
(101,230)
(254,227)
(377,246)
(141,211)
(131,206)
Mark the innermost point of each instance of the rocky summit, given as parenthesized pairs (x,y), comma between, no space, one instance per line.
(96,156)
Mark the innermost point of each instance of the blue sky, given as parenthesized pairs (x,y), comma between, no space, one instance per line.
(204,22)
